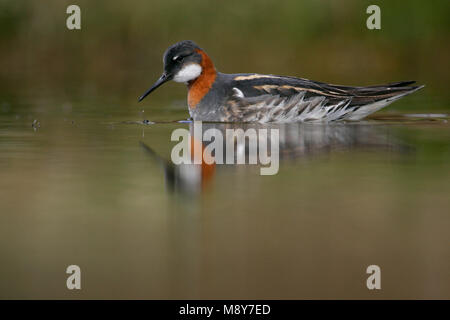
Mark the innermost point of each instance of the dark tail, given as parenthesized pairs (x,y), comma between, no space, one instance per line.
(388,92)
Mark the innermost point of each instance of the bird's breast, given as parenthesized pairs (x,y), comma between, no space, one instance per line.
(200,86)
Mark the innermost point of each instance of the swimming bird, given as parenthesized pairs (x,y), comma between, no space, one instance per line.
(252,97)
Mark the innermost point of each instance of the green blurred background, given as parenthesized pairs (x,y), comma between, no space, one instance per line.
(117,53)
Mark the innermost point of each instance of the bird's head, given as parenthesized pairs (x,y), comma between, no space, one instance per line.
(182,63)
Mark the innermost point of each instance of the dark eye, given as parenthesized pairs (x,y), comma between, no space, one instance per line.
(178,58)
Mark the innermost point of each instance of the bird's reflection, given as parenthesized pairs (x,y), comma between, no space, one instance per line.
(296,141)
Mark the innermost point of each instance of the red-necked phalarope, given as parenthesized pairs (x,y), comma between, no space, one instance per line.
(251,97)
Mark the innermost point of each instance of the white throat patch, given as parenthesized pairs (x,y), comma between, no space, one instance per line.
(188,72)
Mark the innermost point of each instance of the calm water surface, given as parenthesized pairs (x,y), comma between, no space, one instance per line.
(94,187)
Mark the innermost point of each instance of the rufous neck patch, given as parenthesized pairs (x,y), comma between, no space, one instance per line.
(199,87)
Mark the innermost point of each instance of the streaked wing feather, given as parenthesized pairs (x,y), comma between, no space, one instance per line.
(280,99)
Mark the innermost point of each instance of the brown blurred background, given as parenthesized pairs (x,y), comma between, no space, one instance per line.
(77,187)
